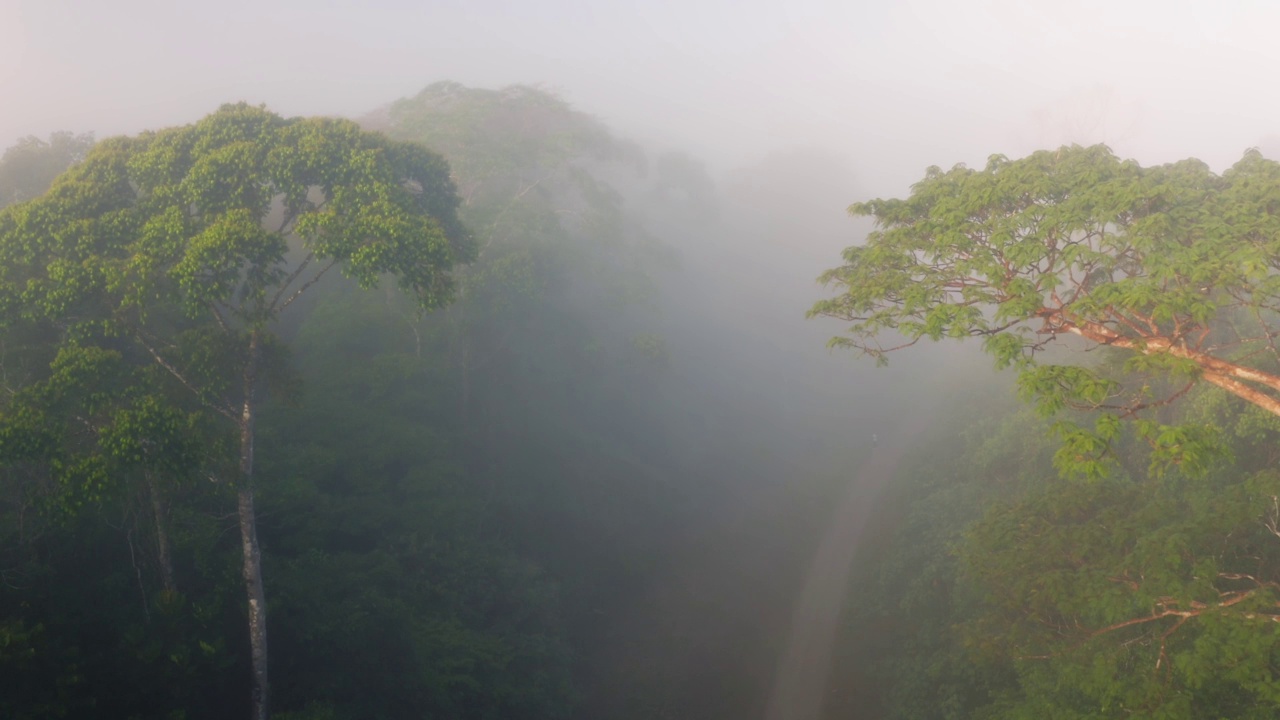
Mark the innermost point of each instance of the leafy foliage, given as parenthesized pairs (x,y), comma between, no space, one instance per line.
(1174,264)
(1014,593)
(171,253)
(183,215)
(472,513)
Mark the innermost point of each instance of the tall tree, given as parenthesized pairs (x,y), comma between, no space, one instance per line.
(581,422)
(1174,265)
(187,245)
(555,244)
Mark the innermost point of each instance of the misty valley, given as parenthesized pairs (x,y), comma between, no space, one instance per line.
(474,407)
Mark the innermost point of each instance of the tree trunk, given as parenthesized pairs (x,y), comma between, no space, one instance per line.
(249,541)
(160,511)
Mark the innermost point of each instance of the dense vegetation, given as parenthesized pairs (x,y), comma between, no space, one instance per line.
(1001,589)
(1112,553)
(515,506)
(547,443)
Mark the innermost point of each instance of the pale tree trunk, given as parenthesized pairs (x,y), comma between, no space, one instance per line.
(249,541)
(160,511)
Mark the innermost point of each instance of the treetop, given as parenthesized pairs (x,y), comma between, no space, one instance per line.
(207,213)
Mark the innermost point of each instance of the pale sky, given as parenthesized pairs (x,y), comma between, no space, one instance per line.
(894,86)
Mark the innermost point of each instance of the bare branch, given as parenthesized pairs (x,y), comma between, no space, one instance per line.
(217,315)
(292,277)
(1165,608)
(226,411)
(308,284)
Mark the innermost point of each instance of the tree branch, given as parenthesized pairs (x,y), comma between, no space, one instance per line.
(217,315)
(289,280)
(308,284)
(1167,608)
(1150,345)
(1240,390)
(225,411)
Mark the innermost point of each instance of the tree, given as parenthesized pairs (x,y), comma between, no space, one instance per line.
(565,314)
(184,247)
(1173,264)
(1137,596)
(1002,591)
(564,284)
(29,167)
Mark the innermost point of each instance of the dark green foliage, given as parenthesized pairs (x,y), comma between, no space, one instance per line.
(1138,599)
(156,271)
(385,553)
(903,655)
(86,627)
(519,506)
(1011,592)
(454,508)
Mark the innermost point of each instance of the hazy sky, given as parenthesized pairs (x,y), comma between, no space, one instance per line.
(894,85)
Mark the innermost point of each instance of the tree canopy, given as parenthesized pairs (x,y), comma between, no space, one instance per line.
(186,214)
(1174,264)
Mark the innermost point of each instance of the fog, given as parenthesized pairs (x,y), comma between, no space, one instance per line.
(793,111)
(732,81)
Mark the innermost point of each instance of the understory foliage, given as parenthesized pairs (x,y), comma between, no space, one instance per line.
(1010,591)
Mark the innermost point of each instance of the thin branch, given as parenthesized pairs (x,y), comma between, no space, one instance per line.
(1273,519)
(511,203)
(1168,608)
(288,217)
(1132,409)
(1164,640)
(292,276)
(308,284)
(222,410)
(217,315)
